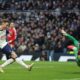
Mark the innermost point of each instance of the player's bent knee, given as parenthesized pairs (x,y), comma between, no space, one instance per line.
(13,55)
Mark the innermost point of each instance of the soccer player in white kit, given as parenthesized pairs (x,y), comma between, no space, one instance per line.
(5,48)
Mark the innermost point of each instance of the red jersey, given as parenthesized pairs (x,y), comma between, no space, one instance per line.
(12,36)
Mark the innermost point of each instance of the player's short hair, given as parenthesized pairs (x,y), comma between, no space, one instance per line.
(12,23)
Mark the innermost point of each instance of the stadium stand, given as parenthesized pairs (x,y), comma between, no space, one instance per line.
(38,23)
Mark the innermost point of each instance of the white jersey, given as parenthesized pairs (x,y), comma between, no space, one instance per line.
(3,36)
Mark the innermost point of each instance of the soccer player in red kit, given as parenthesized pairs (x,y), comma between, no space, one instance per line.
(11,37)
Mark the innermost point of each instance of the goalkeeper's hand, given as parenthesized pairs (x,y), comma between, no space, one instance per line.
(63,32)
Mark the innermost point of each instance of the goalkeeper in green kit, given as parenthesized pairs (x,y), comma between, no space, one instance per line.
(75,47)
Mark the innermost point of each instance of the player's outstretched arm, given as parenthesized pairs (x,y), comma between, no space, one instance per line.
(75,41)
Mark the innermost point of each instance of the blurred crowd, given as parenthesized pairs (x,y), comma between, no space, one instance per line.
(60,5)
(38,28)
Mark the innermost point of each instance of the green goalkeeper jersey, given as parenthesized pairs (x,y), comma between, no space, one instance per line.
(76,44)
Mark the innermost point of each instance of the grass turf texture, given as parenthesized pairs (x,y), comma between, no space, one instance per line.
(42,71)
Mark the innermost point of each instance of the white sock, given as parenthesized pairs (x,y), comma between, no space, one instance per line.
(21,63)
(7,62)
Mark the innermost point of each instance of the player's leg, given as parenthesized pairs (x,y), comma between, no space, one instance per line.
(7,50)
(8,56)
(7,62)
(14,56)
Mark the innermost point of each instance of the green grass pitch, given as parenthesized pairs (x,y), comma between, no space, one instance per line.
(42,71)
